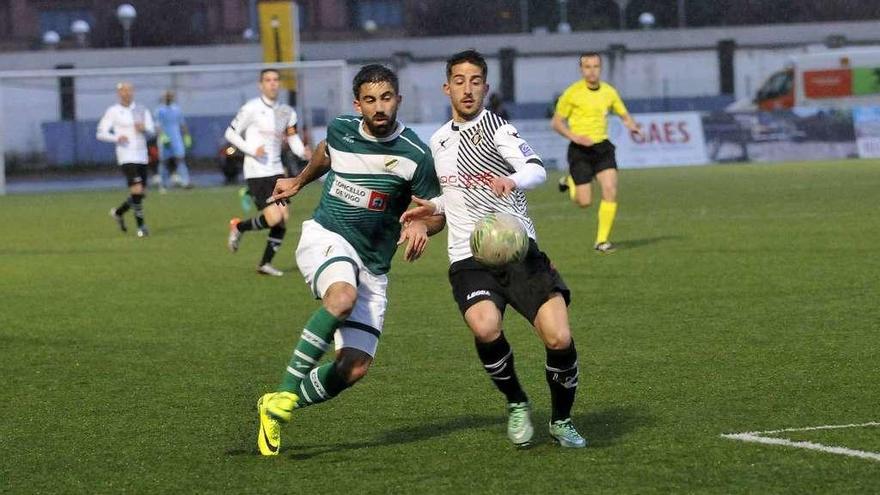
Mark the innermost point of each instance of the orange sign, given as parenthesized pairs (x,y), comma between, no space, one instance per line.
(828,83)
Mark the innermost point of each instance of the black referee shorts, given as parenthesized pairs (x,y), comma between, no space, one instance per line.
(584,162)
(135,173)
(261,189)
(526,285)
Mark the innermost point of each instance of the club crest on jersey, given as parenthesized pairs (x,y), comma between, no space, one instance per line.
(390,163)
(477,137)
(378,201)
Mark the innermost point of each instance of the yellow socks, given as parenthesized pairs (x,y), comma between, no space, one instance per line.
(571,187)
(607,212)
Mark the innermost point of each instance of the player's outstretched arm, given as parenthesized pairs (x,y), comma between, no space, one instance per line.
(318,166)
(425,208)
(630,124)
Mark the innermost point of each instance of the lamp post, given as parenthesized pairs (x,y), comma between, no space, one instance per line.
(275,24)
(51,39)
(621,4)
(80,29)
(564,26)
(126,15)
(370,26)
(524,15)
(682,16)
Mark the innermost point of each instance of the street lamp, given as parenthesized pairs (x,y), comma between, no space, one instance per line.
(647,20)
(564,26)
(80,29)
(621,4)
(51,39)
(682,16)
(275,24)
(370,26)
(126,15)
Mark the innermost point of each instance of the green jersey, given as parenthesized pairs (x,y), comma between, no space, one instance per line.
(370,184)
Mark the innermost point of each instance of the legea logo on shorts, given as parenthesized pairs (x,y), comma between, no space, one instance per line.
(477,293)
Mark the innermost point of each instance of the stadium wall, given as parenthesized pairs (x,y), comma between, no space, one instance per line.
(647,67)
(670,138)
(652,80)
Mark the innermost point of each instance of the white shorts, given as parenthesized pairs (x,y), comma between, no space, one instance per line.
(325,257)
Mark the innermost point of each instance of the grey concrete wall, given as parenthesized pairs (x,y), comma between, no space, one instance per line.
(656,64)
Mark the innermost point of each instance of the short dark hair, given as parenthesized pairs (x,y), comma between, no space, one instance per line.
(469,56)
(589,54)
(374,73)
(264,71)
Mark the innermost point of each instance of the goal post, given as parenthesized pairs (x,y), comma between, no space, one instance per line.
(47,117)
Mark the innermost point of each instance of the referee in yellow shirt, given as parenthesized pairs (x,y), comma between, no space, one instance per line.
(580,116)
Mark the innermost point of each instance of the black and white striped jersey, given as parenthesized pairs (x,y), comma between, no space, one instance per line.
(467,156)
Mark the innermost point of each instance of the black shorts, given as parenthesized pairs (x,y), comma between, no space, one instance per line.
(584,162)
(526,285)
(135,173)
(261,189)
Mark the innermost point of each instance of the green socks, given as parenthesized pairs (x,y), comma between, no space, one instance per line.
(313,343)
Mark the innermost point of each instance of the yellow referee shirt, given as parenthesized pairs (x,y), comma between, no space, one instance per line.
(587,108)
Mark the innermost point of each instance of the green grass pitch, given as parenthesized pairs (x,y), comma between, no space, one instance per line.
(743,298)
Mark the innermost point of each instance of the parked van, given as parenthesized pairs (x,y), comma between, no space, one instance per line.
(839,78)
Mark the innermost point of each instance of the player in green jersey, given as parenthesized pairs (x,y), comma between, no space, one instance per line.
(374,164)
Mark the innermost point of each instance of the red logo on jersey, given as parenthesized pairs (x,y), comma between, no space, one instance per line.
(468,181)
(378,201)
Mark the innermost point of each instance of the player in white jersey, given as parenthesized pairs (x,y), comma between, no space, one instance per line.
(128,124)
(258,130)
(484,166)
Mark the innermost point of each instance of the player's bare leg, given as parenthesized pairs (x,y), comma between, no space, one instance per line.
(352,364)
(583,195)
(484,319)
(607,180)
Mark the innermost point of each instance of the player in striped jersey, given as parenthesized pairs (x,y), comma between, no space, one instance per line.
(484,166)
(373,165)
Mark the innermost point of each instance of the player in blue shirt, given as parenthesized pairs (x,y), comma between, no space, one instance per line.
(174,139)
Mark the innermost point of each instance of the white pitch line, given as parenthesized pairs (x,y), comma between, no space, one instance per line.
(755,436)
(811,428)
(746,437)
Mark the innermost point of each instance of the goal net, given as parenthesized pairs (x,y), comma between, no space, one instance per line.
(48,118)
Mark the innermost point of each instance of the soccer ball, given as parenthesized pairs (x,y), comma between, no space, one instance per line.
(499,239)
